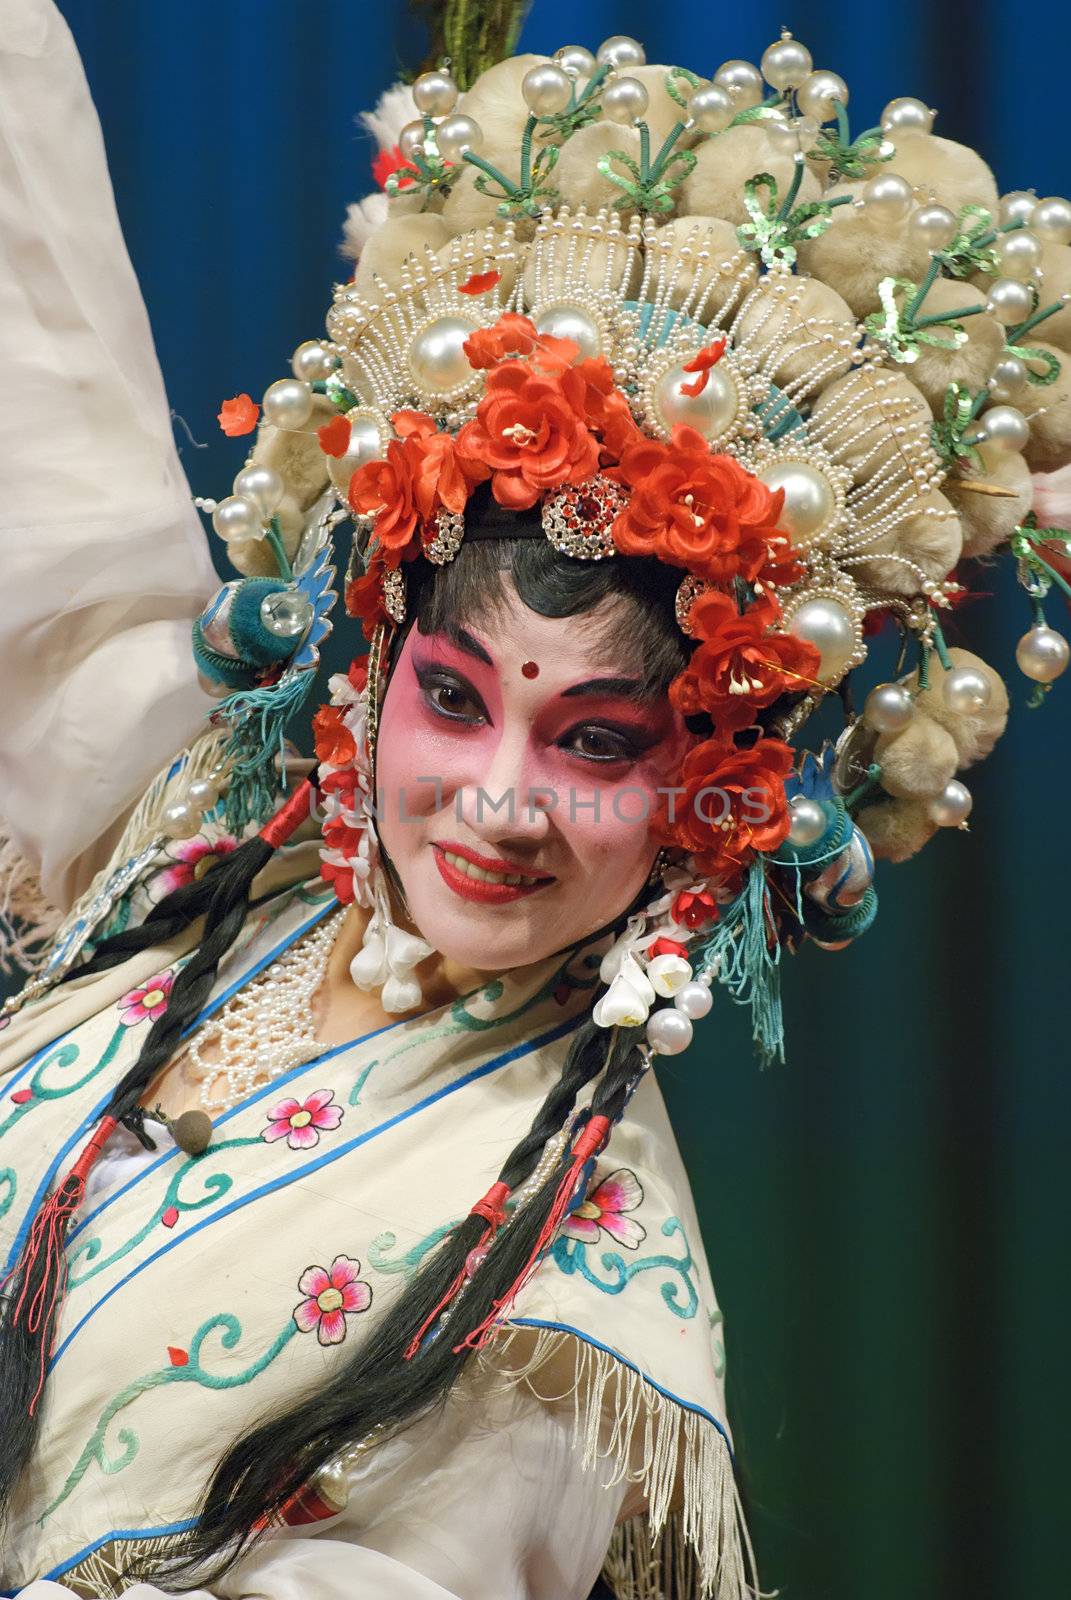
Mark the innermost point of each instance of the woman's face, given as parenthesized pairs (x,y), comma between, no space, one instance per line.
(516,772)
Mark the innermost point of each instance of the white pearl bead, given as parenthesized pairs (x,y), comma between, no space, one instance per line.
(795,133)
(711,108)
(952,806)
(1008,375)
(807,821)
(262,485)
(820,93)
(547,89)
(669,1031)
(906,115)
(311,362)
(411,140)
(180,820)
(203,794)
(809,498)
(1042,653)
(826,624)
(576,60)
(888,199)
(965,690)
(570,322)
(456,135)
(1018,205)
(1019,254)
(288,403)
(1009,301)
(437,358)
(1051,220)
(366,444)
(934,226)
(786,63)
(1003,427)
(435,93)
(711,412)
(743,81)
(238,518)
(888,708)
(625,100)
(621,51)
(695,1000)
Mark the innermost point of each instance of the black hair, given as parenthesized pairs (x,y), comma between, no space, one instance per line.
(378,1391)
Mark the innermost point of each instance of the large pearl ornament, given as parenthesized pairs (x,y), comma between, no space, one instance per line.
(435,93)
(807,822)
(669,1031)
(1009,301)
(825,623)
(1042,653)
(888,198)
(576,60)
(625,100)
(712,412)
(311,362)
(286,614)
(742,81)
(366,444)
(819,95)
(437,357)
(809,498)
(1019,253)
(1008,376)
(1002,427)
(952,807)
(935,226)
(262,485)
(457,135)
(711,108)
(888,708)
(1018,205)
(695,1000)
(411,140)
(238,518)
(547,89)
(571,322)
(203,794)
(621,51)
(786,63)
(966,690)
(906,115)
(287,403)
(180,819)
(1051,220)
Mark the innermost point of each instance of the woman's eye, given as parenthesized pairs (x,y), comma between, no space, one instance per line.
(452,699)
(601,744)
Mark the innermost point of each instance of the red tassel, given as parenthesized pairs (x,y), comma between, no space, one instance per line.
(591,1140)
(492,1208)
(44,1248)
(286,821)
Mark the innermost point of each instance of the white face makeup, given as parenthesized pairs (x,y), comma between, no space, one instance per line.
(515,772)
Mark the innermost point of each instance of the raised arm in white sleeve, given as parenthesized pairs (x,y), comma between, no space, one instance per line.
(485,1501)
(103,559)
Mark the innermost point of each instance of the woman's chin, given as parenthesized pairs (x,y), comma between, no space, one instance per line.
(489,937)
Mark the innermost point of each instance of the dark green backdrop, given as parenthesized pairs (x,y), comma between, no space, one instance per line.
(885,1214)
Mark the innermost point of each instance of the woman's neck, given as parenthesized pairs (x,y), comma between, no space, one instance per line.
(441,979)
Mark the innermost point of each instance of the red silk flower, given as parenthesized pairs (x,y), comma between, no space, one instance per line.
(530,429)
(385,489)
(739,665)
(733,804)
(334,436)
(333,740)
(238,416)
(442,474)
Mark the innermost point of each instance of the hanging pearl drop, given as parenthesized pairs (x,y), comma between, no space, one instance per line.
(180,820)
(965,690)
(809,498)
(287,403)
(952,806)
(807,822)
(888,708)
(262,485)
(825,623)
(711,413)
(906,115)
(695,1000)
(435,93)
(669,1031)
(366,444)
(1042,653)
(437,358)
(238,518)
(570,322)
(203,794)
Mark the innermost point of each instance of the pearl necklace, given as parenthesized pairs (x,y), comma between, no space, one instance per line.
(267,1027)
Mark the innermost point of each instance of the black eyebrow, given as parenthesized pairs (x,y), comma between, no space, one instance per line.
(465,641)
(628,688)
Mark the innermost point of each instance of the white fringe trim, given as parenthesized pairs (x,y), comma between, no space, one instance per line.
(696,1550)
(28,920)
(105,1573)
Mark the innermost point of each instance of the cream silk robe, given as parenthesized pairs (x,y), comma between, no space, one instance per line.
(180,1321)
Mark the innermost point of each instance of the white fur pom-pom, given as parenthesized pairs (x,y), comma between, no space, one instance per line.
(394,108)
(363,219)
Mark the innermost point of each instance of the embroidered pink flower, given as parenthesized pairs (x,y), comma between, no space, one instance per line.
(300,1122)
(192,858)
(149,1001)
(332,1297)
(605,1209)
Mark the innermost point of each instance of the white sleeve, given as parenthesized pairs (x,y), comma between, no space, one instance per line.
(487,1501)
(103,558)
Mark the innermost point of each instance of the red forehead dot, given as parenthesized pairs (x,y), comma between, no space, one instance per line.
(530,669)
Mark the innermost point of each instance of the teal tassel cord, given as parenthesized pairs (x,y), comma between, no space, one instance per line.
(743,952)
(259,717)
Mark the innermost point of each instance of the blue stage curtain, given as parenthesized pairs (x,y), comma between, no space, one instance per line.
(885,1215)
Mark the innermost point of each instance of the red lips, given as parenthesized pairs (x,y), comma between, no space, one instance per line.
(481,889)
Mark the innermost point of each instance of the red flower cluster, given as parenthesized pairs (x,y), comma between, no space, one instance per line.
(740,664)
(733,804)
(424,471)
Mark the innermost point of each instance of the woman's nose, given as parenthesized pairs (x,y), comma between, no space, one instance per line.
(507,800)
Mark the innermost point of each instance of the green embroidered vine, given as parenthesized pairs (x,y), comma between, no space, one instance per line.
(848,157)
(775,227)
(948,433)
(570,1256)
